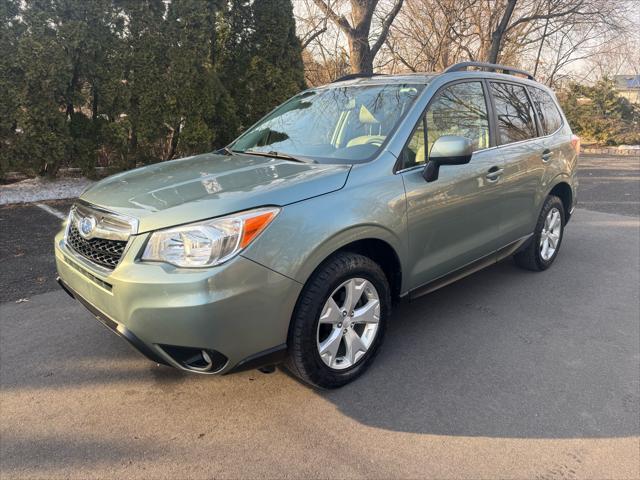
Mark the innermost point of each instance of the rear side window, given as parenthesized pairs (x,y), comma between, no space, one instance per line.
(547,110)
(514,112)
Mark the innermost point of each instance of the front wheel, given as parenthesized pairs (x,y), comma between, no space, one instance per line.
(547,238)
(339,321)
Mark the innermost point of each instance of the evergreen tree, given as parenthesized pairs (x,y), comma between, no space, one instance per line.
(43,138)
(195,97)
(264,57)
(11,77)
(599,114)
(144,61)
(235,53)
(275,70)
(124,82)
(88,30)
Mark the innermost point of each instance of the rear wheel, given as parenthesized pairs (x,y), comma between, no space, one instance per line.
(339,321)
(547,238)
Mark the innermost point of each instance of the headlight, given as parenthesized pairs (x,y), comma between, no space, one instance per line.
(208,243)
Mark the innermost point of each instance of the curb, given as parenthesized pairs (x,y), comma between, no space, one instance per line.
(623,150)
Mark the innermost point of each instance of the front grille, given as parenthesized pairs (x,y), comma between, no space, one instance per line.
(106,253)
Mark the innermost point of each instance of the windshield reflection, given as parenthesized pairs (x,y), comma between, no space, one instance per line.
(345,124)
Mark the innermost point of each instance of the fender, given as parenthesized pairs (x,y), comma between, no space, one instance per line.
(304,234)
(345,237)
(563,178)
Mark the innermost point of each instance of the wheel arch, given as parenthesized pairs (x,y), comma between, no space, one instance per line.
(562,189)
(384,255)
(376,243)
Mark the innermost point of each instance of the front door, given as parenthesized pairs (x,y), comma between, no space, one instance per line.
(455,219)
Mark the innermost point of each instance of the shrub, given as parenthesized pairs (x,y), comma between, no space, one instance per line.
(598,114)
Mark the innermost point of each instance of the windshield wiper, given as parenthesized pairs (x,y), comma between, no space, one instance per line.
(225,151)
(274,154)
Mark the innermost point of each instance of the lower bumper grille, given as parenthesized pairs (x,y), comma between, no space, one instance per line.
(106,253)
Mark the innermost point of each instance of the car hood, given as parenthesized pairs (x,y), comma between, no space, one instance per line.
(210,185)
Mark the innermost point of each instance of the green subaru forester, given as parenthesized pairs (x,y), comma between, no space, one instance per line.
(291,244)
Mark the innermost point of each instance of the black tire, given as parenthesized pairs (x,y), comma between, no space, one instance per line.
(303,358)
(531,257)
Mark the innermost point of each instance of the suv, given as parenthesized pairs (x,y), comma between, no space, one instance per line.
(291,244)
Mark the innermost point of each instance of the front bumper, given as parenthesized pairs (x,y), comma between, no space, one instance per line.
(239,309)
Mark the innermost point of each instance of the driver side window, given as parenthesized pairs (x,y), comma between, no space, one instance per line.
(459,109)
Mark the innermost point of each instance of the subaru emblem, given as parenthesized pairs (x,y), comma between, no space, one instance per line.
(86,225)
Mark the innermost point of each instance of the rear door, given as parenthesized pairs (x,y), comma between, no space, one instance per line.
(555,137)
(524,164)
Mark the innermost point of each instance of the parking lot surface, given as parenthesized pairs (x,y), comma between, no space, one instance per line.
(506,373)
(610,184)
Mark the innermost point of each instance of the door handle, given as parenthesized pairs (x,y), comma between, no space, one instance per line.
(546,155)
(494,174)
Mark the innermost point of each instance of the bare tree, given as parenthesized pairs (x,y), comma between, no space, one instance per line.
(361,51)
(536,15)
(430,35)
(617,56)
(559,39)
(498,34)
(324,55)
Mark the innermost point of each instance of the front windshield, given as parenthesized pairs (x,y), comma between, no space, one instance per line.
(345,124)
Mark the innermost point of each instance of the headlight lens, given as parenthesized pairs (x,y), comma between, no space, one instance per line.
(208,243)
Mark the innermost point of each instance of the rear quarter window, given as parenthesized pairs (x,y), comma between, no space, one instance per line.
(547,110)
(514,112)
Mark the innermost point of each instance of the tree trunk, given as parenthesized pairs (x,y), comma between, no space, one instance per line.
(175,138)
(133,148)
(544,36)
(212,37)
(71,90)
(361,58)
(94,102)
(361,53)
(498,34)
(359,48)
(132,151)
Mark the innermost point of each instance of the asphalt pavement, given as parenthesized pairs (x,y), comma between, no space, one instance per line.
(27,264)
(506,373)
(610,184)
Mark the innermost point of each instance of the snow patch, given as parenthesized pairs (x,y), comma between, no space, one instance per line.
(37,189)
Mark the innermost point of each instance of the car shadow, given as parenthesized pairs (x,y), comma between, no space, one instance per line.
(505,353)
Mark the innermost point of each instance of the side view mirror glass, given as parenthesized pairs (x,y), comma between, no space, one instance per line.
(447,150)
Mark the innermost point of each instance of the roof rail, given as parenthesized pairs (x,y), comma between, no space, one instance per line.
(351,76)
(458,67)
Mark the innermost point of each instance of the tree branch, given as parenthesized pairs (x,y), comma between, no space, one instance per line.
(548,16)
(339,20)
(498,33)
(385,27)
(312,37)
(402,60)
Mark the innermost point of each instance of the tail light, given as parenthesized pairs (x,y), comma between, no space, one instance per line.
(575,143)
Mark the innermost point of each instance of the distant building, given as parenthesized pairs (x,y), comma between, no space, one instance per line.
(628,86)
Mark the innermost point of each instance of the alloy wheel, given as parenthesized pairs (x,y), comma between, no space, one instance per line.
(550,235)
(348,323)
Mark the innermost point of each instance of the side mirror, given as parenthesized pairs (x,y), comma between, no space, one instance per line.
(447,150)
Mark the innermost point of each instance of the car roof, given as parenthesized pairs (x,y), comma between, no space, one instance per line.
(457,71)
(381,79)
